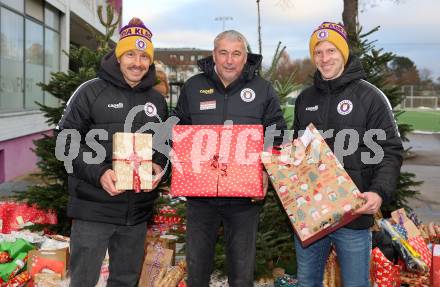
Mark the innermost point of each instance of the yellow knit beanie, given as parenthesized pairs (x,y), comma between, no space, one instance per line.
(135,36)
(335,34)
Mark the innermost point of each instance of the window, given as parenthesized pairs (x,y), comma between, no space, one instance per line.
(51,62)
(34,64)
(29,52)
(182,58)
(35,9)
(193,58)
(52,18)
(16,4)
(11,61)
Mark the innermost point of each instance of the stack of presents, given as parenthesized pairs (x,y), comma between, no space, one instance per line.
(41,260)
(227,161)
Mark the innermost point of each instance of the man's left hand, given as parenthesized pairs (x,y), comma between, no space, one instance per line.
(373,201)
(158,174)
(265,187)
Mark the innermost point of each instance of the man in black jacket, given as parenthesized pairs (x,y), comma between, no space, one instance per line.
(228,89)
(358,124)
(104,217)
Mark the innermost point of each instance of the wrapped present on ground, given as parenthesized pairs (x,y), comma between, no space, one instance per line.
(48,261)
(217,160)
(332,272)
(18,251)
(132,161)
(16,215)
(19,280)
(410,230)
(105,272)
(315,190)
(419,245)
(47,280)
(166,241)
(156,258)
(383,272)
(413,259)
(435,270)
(170,277)
(286,281)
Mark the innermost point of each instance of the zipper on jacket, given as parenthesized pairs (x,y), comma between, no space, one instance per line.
(327,109)
(225,105)
(128,221)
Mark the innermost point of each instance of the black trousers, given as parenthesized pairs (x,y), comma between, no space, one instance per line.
(240,222)
(89,242)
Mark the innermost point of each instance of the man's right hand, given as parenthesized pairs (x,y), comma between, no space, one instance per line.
(107,181)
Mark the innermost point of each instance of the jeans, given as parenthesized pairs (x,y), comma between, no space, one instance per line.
(240,222)
(353,249)
(89,242)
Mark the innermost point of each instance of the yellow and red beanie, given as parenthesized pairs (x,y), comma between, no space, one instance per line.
(135,36)
(335,34)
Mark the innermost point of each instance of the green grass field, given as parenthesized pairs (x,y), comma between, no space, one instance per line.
(421,120)
(428,121)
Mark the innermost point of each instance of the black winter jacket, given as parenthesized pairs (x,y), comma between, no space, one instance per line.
(350,102)
(104,103)
(249,100)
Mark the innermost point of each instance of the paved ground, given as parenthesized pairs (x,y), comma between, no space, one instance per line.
(425,164)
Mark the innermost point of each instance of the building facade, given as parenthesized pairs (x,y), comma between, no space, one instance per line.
(34,35)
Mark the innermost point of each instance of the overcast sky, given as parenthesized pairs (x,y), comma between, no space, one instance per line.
(410,28)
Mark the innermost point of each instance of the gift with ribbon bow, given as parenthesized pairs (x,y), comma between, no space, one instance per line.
(132,161)
(217,161)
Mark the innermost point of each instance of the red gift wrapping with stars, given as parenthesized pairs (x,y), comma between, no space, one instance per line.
(217,161)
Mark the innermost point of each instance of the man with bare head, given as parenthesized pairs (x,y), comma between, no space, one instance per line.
(229,82)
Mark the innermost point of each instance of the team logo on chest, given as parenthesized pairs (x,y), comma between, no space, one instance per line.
(150,109)
(247,95)
(345,107)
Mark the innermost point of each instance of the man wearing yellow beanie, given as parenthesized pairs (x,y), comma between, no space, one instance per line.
(104,218)
(359,125)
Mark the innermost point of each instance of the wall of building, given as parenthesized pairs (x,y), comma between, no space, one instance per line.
(34,35)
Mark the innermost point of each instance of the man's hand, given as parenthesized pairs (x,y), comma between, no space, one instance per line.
(265,187)
(108,180)
(158,174)
(372,204)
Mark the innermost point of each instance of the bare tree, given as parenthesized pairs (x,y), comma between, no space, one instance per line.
(350,19)
(259,27)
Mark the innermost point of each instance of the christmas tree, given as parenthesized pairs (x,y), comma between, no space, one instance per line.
(375,62)
(83,65)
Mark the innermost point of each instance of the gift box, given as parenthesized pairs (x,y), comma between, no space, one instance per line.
(16,215)
(384,272)
(435,269)
(217,161)
(332,272)
(48,261)
(18,251)
(132,161)
(156,259)
(314,189)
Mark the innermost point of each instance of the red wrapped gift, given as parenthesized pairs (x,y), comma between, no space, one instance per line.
(384,272)
(435,270)
(419,244)
(217,161)
(15,216)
